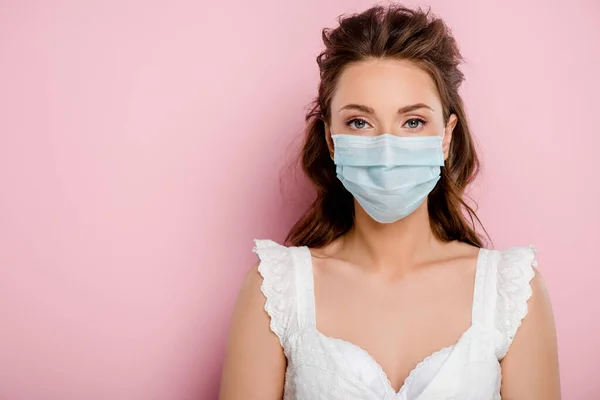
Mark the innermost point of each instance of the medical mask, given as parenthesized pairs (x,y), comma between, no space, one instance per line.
(390,176)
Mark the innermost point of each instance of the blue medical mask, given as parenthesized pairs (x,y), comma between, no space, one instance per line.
(390,176)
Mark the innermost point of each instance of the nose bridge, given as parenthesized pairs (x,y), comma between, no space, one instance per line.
(388,123)
(387,155)
(385,119)
(390,126)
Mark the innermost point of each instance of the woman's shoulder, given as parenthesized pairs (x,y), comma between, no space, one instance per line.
(517,254)
(516,275)
(512,265)
(272,254)
(275,276)
(520,290)
(273,246)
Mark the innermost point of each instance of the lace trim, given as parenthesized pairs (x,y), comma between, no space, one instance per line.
(274,267)
(421,365)
(515,272)
(381,373)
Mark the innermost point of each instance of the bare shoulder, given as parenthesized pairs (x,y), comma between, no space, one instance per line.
(249,305)
(530,368)
(539,305)
(250,291)
(539,320)
(254,365)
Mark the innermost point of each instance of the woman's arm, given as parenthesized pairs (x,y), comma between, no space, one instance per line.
(254,364)
(530,368)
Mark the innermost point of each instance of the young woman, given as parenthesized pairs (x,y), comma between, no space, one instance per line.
(384,290)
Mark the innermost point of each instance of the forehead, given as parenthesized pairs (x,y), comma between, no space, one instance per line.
(385,84)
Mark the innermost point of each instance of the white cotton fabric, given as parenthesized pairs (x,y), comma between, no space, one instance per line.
(321,367)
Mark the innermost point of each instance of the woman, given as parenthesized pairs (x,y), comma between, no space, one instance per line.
(385,290)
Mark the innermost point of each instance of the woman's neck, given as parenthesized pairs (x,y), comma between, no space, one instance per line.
(395,247)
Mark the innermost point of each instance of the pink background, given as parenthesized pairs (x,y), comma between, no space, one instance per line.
(141,144)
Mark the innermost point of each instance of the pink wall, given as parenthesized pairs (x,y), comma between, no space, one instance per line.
(140,149)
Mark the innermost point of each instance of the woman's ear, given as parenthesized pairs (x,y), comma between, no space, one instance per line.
(328,139)
(448,130)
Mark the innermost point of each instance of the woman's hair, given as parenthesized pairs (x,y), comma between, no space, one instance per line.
(392,32)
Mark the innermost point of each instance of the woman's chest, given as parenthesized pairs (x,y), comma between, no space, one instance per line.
(397,325)
(323,367)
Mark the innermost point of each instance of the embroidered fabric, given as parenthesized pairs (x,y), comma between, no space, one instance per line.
(515,273)
(322,367)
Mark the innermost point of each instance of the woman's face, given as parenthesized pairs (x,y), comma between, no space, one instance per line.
(387,96)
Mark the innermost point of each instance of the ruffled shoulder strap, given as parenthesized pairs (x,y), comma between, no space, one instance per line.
(279,286)
(514,274)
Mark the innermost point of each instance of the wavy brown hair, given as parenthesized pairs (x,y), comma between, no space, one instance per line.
(392,32)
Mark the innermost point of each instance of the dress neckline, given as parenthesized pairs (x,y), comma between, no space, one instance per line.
(475,317)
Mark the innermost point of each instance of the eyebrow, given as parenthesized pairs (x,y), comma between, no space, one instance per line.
(369,110)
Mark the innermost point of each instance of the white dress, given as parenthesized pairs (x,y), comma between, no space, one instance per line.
(321,367)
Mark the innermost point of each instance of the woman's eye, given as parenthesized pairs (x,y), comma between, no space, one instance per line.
(357,123)
(413,123)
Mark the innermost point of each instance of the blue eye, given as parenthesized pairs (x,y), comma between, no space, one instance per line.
(357,123)
(413,123)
